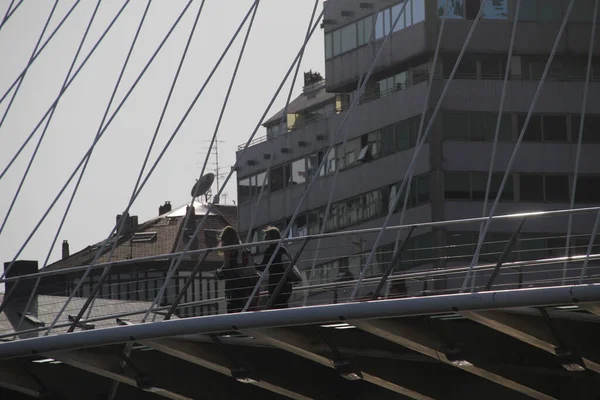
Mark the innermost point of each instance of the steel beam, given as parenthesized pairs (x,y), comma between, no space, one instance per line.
(531,297)
(529,329)
(416,336)
(293,342)
(13,377)
(210,357)
(104,365)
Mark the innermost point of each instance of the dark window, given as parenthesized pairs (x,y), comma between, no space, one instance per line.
(456,186)
(509,189)
(455,126)
(534,128)
(478,184)
(277,181)
(532,188)
(555,128)
(387,140)
(244,193)
(588,189)
(472,8)
(557,188)
(591,130)
(423,188)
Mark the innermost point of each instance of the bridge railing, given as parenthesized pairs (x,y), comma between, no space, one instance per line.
(526,250)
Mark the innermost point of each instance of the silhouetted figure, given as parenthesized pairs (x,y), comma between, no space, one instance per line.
(277,269)
(238,272)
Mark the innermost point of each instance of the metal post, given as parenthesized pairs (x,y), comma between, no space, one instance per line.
(286,275)
(390,266)
(89,300)
(504,254)
(185,287)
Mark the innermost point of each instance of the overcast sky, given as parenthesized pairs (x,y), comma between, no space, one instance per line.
(276,37)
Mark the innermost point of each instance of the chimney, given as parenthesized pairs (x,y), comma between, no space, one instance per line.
(165,208)
(131,223)
(65,249)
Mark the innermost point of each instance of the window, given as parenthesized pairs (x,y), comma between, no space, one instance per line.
(551,10)
(556,188)
(454,9)
(457,186)
(143,237)
(531,188)
(298,172)
(555,128)
(472,8)
(328,46)
(455,126)
(418,9)
(277,181)
(244,193)
(379,26)
(591,128)
(534,128)
(588,189)
(396,10)
(528,10)
(348,37)
(497,9)
(364,30)
(337,42)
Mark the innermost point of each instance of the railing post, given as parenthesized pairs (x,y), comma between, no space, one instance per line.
(286,275)
(390,266)
(185,287)
(504,254)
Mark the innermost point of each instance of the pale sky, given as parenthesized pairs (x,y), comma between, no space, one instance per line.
(276,37)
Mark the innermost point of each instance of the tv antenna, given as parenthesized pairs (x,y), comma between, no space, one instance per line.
(215,164)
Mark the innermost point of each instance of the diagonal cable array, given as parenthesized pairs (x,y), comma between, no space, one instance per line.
(48,120)
(321,165)
(416,152)
(518,144)
(173,267)
(99,136)
(9,12)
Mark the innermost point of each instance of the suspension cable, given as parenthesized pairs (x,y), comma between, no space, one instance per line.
(48,120)
(234,167)
(416,153)
(314,178)
(9,12)
(89,151)
(518,144)
(282,123)
(580,138)
(16,91)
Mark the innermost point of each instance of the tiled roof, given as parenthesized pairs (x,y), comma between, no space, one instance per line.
(159,236)
(49,306)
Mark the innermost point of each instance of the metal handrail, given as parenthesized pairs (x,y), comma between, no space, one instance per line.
(421,225)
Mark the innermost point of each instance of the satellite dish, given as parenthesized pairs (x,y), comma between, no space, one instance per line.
(203,185)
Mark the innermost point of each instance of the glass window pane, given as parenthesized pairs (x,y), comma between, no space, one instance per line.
(400,80)
(557,188)
(260,180)
(588,189)
(551,10)
(456,185)
(534,128)
(360,30)
(337,42)
(418,11)
(348,37)
(455,126)
(328,46)
(555,128)
(478,126)
(387,140)
(298,172)
(244,190)
(591,131)
(379,26)
(331,163)
(478,184)
(528,10)
(368,23)
(401,24)
(531,188)
(582,11)
(508,193)
(423,188)
(387,25)
(497,9)
(455,9)
(276,180)
(402,134)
